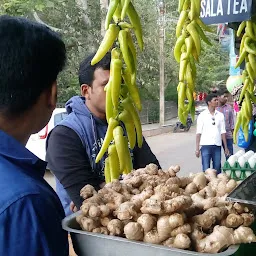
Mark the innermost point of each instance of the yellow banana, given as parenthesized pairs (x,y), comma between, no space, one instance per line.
(106,43)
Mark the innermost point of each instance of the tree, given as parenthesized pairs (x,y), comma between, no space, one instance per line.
(79,23)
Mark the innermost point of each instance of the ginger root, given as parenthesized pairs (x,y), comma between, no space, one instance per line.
(115,227)
(126,211)
(134,231)
(147,221)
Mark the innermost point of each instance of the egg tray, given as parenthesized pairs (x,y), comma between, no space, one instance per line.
(245,192)
(245,171)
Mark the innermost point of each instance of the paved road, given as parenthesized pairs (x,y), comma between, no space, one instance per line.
(172,149)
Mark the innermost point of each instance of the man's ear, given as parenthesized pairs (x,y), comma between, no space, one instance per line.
(85,91)
(52,98)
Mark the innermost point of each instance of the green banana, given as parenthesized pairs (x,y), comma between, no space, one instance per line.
(106,43)
(126,118)
(135,21)
(111,10)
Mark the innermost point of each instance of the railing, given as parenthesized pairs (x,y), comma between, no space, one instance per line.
(150,111)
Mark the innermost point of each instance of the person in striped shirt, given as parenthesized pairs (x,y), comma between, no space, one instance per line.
(228,112)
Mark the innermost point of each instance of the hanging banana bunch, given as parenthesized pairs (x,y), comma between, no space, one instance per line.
(247,54)
(189,33)
(122,94)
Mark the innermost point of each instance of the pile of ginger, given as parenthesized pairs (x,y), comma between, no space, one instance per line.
(157,206)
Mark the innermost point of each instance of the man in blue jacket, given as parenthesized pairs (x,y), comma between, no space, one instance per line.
(31,56)
(73,145)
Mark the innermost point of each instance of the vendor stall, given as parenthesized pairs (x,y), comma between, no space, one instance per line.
(156,212)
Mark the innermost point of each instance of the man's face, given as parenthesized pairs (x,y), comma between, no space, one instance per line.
(223,98)
(214,102)
(95,95)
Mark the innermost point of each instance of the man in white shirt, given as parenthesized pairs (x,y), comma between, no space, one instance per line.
(210,134)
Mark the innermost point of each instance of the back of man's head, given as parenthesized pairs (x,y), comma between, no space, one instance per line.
(31,56)
(86,70)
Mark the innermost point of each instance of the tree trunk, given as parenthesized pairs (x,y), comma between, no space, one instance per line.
(83,5)
(103,8)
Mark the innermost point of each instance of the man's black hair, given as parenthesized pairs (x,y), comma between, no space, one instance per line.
(222,92)
(86,70)
(209,97)
(31,56)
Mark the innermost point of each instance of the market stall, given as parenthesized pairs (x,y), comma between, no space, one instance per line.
(151,211)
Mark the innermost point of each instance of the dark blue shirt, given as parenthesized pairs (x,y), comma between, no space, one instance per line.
(30,211)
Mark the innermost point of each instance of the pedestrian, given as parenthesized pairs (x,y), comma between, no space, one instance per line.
(31,57)
(228,113)
(73,145)
(210,133)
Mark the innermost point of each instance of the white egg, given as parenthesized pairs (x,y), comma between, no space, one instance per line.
(252,161)
(241,160)
(232,160)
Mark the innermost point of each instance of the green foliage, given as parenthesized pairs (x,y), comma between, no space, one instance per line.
(80,29)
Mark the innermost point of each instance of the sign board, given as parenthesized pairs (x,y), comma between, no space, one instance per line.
(226,11)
